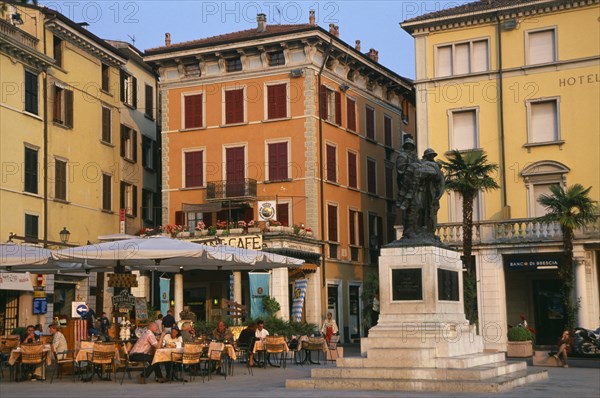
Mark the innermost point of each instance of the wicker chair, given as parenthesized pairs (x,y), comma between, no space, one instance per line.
(332,348)
(243,352)
(129,365)
(275,347)
(215,356)
(6,346)
(63,358)
(102,357)
(32,357)
(313,344)
(190,357)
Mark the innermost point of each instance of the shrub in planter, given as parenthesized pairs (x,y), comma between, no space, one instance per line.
(519,343)
(519,334)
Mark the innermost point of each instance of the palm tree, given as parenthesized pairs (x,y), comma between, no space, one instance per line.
(571,209)
(469,173)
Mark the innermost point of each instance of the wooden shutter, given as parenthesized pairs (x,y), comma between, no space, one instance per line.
(134,92)
(106,127)
(193,111)
(380,230)
(234,106)
(106,192)
(180,218)
(122,200)
(371,176)
(323,110)
(332,223)
(193,169)
(331,164)
(68,108)
(338,109)
(58,104)
(60,180)
(352,177)
(124,137)
(370,120)
(31,92)
(134,200)
(361,229)
(276,101)
(278,161)
(149,101)
(123,80)
(134,146)
(283,213)
(352,227)
(351,114)
(387,131)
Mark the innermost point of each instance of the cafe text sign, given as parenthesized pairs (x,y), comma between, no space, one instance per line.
(253,242)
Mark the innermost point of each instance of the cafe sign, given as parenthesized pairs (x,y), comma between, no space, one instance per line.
(124,301)
(533,261)
(252,242)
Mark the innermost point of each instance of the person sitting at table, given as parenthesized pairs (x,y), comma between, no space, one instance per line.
(168,320)
(222,333)
(59,342)
(30,336)
(246,341)
(174,339)
(188,334)
(261,332)
(329,327)
(143,351)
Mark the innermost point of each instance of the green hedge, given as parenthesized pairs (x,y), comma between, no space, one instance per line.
(519,333)
(272,324)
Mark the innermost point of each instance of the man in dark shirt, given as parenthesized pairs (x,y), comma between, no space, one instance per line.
(90,318)
(168,320)
(104,324)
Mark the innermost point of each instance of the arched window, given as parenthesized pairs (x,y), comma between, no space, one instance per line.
(538,178)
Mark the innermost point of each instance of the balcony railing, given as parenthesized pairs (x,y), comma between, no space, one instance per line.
(17,34)
(523,230)
(231,190)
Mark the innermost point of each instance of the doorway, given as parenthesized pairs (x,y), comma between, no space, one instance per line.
(196,298)
(549,311)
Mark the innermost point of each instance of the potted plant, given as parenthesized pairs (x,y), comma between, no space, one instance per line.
(201,228)
(221,227)
(212,230)
(520,342)
(237,227)
(275,226)
(253,227)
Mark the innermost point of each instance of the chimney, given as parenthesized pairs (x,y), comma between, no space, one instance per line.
(334,30)
(311,17)
(167,39)
(373,54)
(261,21)
(357,45)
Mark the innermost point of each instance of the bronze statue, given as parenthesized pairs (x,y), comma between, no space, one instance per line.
(420,187)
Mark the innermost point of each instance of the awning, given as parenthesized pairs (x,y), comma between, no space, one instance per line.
(306,268)
(202,208)
(15,281)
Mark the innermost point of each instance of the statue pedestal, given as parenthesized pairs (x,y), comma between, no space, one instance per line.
(422,341)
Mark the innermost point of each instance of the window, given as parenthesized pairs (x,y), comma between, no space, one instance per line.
(352,170)
(331,105)
(60,179)
(106,192)
(387,131)
(370,123)
(463,130)
(283,213)
(58,52)
(193,218)
(31,92)
(234,106)
(194,169)
(543,121)
(276,58)
(538,190)
(149,101)
(128,89)
(128,199)
(389,181)
(356,227)
(405,111)
(456,208)
(128,143)
(193,111)
(31,228)
(106,124)
(233,64)
(63,106)
(541,46)
(277,101)
(372,176)
(332,223)
(331,163)
(105,77)
(31,170)
(278,161)
(538,178)
(147,207)
(462,58)
(148,153)
(351,114)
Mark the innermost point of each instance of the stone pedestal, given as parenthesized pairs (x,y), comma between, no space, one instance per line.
(422,341)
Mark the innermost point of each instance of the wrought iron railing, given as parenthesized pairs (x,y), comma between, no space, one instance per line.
(231,190)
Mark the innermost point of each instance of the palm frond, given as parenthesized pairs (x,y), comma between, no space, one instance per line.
(572,207)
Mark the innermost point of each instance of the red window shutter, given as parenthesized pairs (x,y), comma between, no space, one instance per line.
(361,229)
(283,213)
(370,120)
(193,169)
(278,161)
(323,110)
(332,223)
(239,106)
(338,109)
(387,130)
(351,114)
(331,164)
(276,101)
(229,105)
(352,177)
(180,218)
(193,111)
(351,227)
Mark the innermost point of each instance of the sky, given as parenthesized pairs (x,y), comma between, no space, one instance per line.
(374,23)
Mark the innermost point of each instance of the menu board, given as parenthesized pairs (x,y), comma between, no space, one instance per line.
(141,310)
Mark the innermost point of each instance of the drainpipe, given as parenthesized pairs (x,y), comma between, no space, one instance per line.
(501,115)
(322,184)
(45,165)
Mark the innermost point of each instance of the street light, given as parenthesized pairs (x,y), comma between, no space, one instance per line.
(64,235)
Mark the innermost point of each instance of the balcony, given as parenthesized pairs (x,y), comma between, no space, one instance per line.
(523,230)
(243,190)
(17,34)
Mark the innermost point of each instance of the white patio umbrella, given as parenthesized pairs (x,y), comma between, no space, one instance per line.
(166,254)
(14,255)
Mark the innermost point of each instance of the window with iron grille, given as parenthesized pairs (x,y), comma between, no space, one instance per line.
(233,64)
(276,58)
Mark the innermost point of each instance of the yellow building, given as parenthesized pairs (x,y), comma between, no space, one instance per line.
(71,134)
(520,80)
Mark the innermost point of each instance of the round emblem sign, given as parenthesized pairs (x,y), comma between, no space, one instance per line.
(82,309)
(165,295)
(266,211)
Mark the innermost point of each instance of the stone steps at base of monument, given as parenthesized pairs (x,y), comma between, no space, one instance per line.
(401,354)
(495,384)
(476,373)
(377,359)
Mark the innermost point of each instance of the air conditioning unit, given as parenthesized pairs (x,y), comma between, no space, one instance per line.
(297,72)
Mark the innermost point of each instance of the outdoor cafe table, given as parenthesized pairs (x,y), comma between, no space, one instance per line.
(15,354)
(87,347)
(164,354)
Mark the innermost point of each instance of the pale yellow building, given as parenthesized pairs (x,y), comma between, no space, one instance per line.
(520,80)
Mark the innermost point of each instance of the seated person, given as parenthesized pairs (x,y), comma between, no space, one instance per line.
(59,343)
(173,339)
(222,332)
(564,347)
(246,341)
(143,351)
(30,336)
(188,334)
(261,332)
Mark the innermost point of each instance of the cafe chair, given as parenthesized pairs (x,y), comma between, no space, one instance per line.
(130,365)
(32,357)
(313,344)
(190,358)
(6,346)
(102,358)
(243,352)
(63,358)
(215,359)
(332,348)
(275,349)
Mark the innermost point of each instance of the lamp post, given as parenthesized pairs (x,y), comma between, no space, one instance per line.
(64,235)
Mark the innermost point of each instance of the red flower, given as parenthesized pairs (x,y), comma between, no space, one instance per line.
(522,317)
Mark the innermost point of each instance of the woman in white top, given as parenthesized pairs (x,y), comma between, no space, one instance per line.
(173,340)
(329,327)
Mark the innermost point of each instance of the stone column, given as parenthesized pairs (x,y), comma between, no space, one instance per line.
(581,289)
(312,300)
(279,290)
(178,295)
(143,288)
(237,287)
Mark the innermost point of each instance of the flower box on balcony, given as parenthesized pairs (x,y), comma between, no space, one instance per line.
(275,228)
(288,230)
(203,232)
(221,231)
(237,231)
(183,234)
(253,230)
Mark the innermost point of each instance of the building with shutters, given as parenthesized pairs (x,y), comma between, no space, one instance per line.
(241,127)
(518,79)
(73,124)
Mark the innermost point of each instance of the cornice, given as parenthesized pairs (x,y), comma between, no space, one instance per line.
(24,53)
